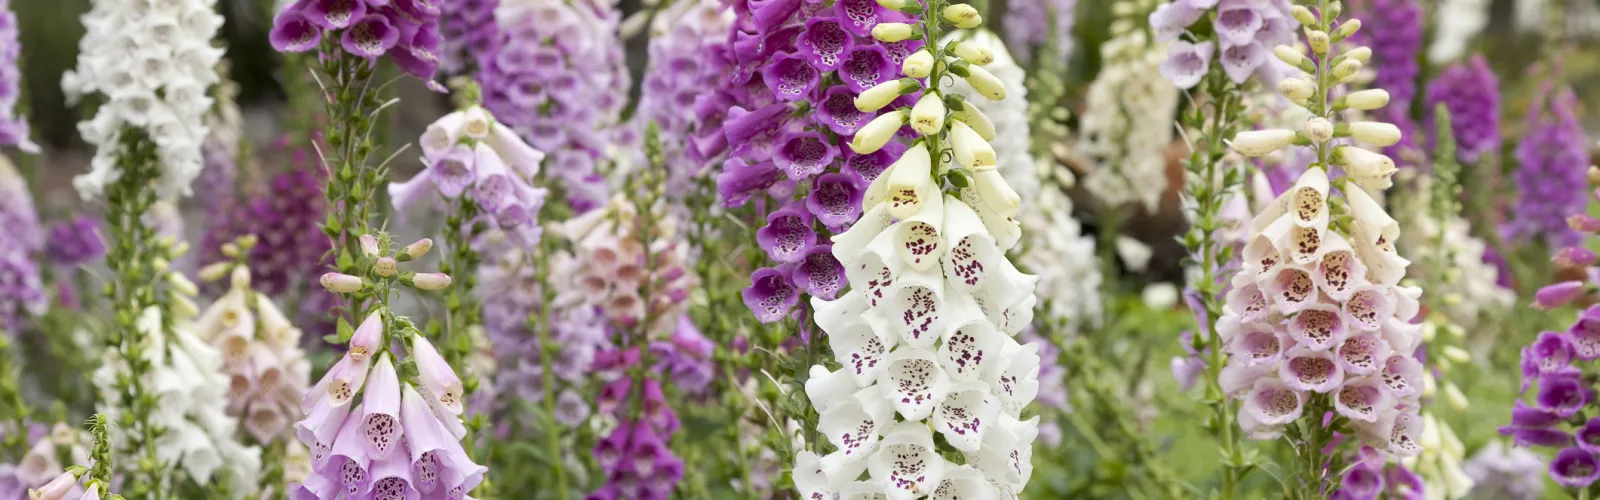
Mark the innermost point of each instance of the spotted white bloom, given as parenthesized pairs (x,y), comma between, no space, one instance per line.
(153,63)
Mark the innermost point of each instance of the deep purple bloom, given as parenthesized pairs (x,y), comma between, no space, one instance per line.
(770,295)
(1575,468)
(1564,394)
(825,42)
(790,78)
(836,200)
(1585,334)
(75,242)
(838,111)
(788,234)
(291,246)
(819,273)
(1472,94)
(1551,352)
(1553,160)
(739,180)
(867,66)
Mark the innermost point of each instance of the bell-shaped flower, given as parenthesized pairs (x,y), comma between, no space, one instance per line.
(1318,326)
(866,66)
(1005,230)
(1402,376)
(1170,19)
(1551,352)
(1259,344)
(927,116)
(965,414)
(453,170)
(740,178)
(859,349)
(1585,334)
(907,461)
(432,450)
(855,425)
(1186,63)
(1368,307)
(824,42)
(1246,300)
(1301,245)
(364,341)
(1373,233)
(916,307)
(1338,271)
(996,194)
(1366,169)
(788,234)
(964,481)
(1291,289)
(348,460)
(1015,379)
(1006,457)
(828,389)
(913,382)
(334,14)
(849,245)
(874,272)
(439,382)
(917,237)
(970,247)
(970,149)
(836,315)
(803,155)
(443,133)
(971,344)
(1241,61)
(979,121)
(1304,369)
(391,478)
(819,273)
(911,183)
(1362,399)
(381,432)
(1363,353)
(770,294)
(1564,394)
(790,78)
(293,31)
(1237,378)
(836,200)
(1575,468)
(1402,336)
(810,478)
(1272,402)
(370,37)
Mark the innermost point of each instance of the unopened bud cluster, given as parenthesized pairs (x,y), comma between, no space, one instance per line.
(381,265)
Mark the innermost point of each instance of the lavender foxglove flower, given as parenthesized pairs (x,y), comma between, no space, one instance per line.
(468,28)
(260,358)
(17,213)
(678,76)
(407,33)
(75,242)
(470,152)
(1127,149)
(1032,26)
(1552,159)
(1472,94)
(1246,31)
(1509,473)
(13,128)
(555,75)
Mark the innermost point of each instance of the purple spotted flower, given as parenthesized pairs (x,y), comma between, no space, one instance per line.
(406,32)
(803,155)
(1246,31)
(788,234)
(770,294)
(819,273)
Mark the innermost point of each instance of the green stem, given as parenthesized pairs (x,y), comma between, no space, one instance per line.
(132,259)
(552,438)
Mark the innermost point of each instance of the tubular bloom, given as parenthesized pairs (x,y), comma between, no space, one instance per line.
(607,267)
(1439,467)
(1034,25)
(1552,159)
(407,32)
(267,373)
(470,153)
(681,36)
(555,75)
(468,28)
(1127,149)
(159,87)
(1316,318)
(13,128)
(1472,94)
(635,457)
(926,333)
(819,166)
(1008,118)
(1246,31)
(41,464)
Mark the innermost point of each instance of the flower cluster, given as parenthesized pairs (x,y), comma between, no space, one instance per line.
(1372,477)
(1474,281)
(1128,149)
(261,357)
(1499,471)
(609,266)
(406,32)
(42,462)
(1010,116)
(1472,94)
(402,439)
(21,290)
(1031,26)
(185,375)
(1550,169)
(153,62)
(681,35)
(290,245)
(926,330)
(1247,30)
(1394,30)
(468,29)
(555,75)
(470,153)
(13,128)
(786,56)
(635,457)
(1316,317)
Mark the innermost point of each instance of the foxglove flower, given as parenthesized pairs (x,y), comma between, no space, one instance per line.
(1246,33)
(1127,149)
(1032,27)
(159,87)
(407,33)
(678,77)
(1510,473)
(261,359)
(470,153)
(291,248)
(1471,92)
(13,128)
(1552,159)
(467,27)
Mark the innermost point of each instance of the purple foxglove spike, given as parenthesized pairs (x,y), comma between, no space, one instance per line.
(788,234)
(293,31)
(1551,352)
(1471,92)
(391,479)
(825,42)
(1564,394)
(860,16)
(348,461)
(1574,257)
(1186,63)
(654,399)
(643,449)
(335,14)
(868,167)
(370,37)
(803,155)
(613,395)
(664,422)
(453,171)
(1585,334)
(1171,19)
(1241,61)
(1575,468)
(381,432)
(1557,295)
(739,180)
(819,273)
(439,381)
(608,452)
(838,111)
(418,61)
(790,78)
(865,67)
(320,428)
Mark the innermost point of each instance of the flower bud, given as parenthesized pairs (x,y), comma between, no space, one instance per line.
(1318,40)
(1367,100)
(240,277)
(369,245)
(179,249)
(478,123)
(160,264)
(1575,256)
(341,283)
(918,65)
(882,94)
(1358,54)
(1585,223)
(892,4)
(927,117)
(230,250)
(1289,55)
(1319,129)
(895,32)
(1456,399)
(877,132)
(182,285)
(973,53)
(984,81)
(962,15)
(215,271)
(1375,133)
(430,281)
(416,250)
(1368,169)
(979,122)
(183,307)
(1594,175)
(385,267)
(971,150)
(1295,89)
(1303,14)
(1557,294)
(1346,70)
(996,193)
(1347,28)
(1457,354)
(1257,143)
(367,337)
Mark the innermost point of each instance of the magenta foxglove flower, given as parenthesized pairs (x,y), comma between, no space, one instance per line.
(1553,158)
(1575,468)
(75,242)
(406,32)
(1471,92)
(285,219)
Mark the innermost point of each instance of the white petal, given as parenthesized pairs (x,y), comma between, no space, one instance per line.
(916,307)
(965,415)
(969,248)
(907,462)
(913,382)
(917,237)
(849,245)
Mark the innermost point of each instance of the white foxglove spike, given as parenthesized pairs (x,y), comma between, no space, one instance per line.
(971,347)
(1007,453)
(827,389)
(860,351)
(874,272)
(835,315)
(970,249)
